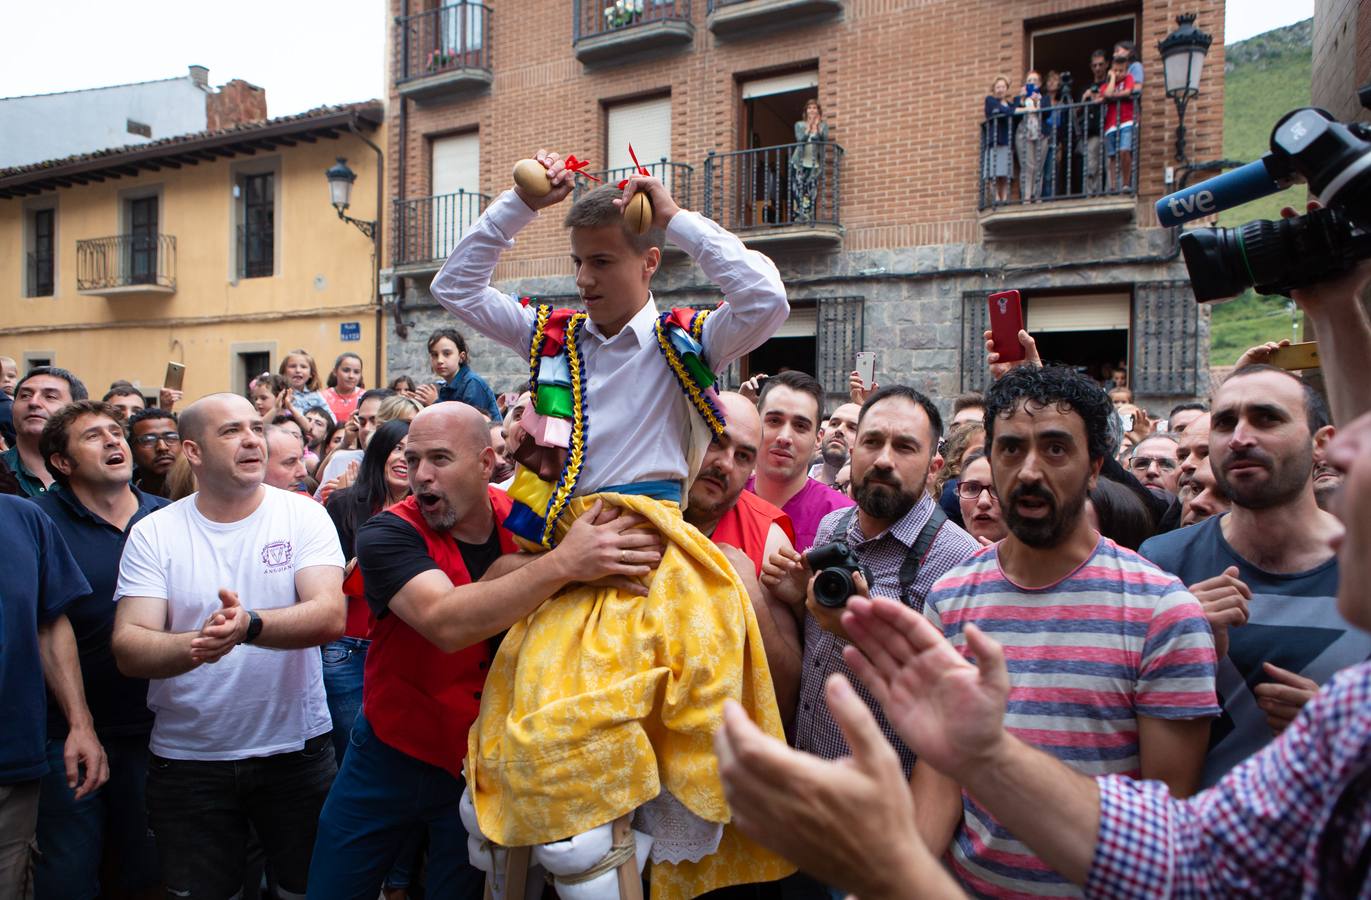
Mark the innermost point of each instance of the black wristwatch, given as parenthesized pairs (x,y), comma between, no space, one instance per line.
(254,627)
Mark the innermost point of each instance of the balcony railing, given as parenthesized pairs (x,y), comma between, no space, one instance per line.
(438,49)
(605,31)
(39,282)
(1064,155)
(792,186)
(427,228)
(596,17)
(256,252)
(738,18)
(677,178)
(126,261)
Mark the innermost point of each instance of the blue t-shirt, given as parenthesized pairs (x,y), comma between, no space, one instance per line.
(118,704)
(37,582)
(471,389)
(1293,622)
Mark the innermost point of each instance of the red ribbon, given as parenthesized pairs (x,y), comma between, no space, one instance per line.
(641,170)
(578,165)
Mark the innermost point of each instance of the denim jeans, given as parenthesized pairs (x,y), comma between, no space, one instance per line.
(72,834)
(380,797)
(200,811)
(344,661)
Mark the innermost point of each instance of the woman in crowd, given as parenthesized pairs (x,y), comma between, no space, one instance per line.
(302,375)
(806,163)
(1117,513)
(980,504)
(961,441)
(998,167)
(345,386)
(1056,114)
(1030,142)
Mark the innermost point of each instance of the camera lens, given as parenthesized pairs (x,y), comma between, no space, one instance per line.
(1216,262)
(832,587)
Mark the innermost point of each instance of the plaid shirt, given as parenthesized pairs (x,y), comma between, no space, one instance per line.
(883,555)
(1294,820)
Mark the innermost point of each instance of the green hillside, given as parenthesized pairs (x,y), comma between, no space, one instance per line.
(1266,76)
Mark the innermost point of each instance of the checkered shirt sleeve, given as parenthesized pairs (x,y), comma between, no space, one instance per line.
(1291,821)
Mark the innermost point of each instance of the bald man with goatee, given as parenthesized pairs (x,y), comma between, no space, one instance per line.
(441,594)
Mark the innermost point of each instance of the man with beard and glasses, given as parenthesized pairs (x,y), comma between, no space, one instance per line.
(898,533)
(835,442)
(1111,662)
(156,445)
(1265,572)
(749,531)
(441,601)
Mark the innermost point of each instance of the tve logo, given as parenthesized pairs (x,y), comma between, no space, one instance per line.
(1201,202)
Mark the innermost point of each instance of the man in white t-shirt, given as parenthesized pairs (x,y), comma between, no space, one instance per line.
(222,599)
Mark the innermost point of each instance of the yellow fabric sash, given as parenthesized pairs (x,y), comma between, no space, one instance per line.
(597,701)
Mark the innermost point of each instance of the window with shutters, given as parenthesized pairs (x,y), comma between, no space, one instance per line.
(1166,338)
(257,225)
(42,252)
(975,322)
(456,203)
(646,124)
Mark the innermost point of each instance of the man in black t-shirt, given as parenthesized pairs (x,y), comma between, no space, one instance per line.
(440,591)
(1089,148)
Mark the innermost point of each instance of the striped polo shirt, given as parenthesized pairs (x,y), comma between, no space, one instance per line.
(1116,639)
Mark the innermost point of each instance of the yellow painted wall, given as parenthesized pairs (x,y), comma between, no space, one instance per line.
(323,275)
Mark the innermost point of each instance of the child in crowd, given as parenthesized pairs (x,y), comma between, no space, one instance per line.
(1118,123)
(345,386)
(447,357)
(301,373)
(264,393)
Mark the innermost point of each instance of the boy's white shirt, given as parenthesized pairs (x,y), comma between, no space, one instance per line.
(641,426)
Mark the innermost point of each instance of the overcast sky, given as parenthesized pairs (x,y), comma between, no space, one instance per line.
(304,54)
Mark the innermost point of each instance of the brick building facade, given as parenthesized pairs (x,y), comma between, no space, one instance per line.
(896,253)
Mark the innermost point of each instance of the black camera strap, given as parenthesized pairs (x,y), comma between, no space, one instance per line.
(909,569)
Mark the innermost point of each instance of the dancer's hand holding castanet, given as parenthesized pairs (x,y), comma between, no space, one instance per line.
(544,180)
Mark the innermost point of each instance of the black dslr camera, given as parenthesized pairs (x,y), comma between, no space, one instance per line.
(835,564)
(1309,145)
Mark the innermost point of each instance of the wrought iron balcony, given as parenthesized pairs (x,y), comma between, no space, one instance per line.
(444,52)
(126,264)
(745,18)
(426,229)
(1061,166)
(607,31)
(676,176)
(789,194)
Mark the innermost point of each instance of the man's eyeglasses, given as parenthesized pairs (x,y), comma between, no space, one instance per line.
(971,490)
(170,438)
(1143,463)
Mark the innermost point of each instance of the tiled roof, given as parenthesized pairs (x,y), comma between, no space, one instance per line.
(118,160)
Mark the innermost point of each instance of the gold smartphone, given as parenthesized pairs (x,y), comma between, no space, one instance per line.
(1297,356)
(176,375)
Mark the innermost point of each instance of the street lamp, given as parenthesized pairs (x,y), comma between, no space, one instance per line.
(340,179)
(1183,53)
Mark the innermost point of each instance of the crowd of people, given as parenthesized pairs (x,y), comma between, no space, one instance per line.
(294,643)
(1060,144)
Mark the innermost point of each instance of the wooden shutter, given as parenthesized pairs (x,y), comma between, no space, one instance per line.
(839,339)
(646,124)
(1166,325)
(975,321)
(455,180)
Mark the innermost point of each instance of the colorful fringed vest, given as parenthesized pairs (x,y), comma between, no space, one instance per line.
(558,391)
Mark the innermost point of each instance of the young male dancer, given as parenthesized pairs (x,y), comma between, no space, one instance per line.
(602,703)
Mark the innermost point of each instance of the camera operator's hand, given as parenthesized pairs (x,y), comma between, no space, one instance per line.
(1337,310)
(829,619)
(1260,354)
(786,576)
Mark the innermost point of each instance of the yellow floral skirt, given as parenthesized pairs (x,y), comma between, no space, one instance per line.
(598,701)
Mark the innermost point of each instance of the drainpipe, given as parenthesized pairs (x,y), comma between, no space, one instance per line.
(376,244)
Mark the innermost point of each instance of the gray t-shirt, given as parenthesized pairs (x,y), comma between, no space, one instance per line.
(1293,622)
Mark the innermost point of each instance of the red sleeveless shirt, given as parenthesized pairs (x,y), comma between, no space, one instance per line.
(747,524)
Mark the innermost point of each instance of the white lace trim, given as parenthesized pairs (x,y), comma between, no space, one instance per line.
(678,834)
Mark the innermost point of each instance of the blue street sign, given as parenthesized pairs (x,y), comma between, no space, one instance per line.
(349,331)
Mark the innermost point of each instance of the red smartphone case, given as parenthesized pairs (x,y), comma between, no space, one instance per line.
(1006,321)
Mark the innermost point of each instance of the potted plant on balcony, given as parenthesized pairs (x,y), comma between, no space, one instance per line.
(622,13)
(441,58)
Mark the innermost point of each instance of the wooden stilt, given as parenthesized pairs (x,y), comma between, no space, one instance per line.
(630,883)
(516,872)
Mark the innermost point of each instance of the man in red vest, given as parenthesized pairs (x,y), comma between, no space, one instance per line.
(436,628)
(749,529)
